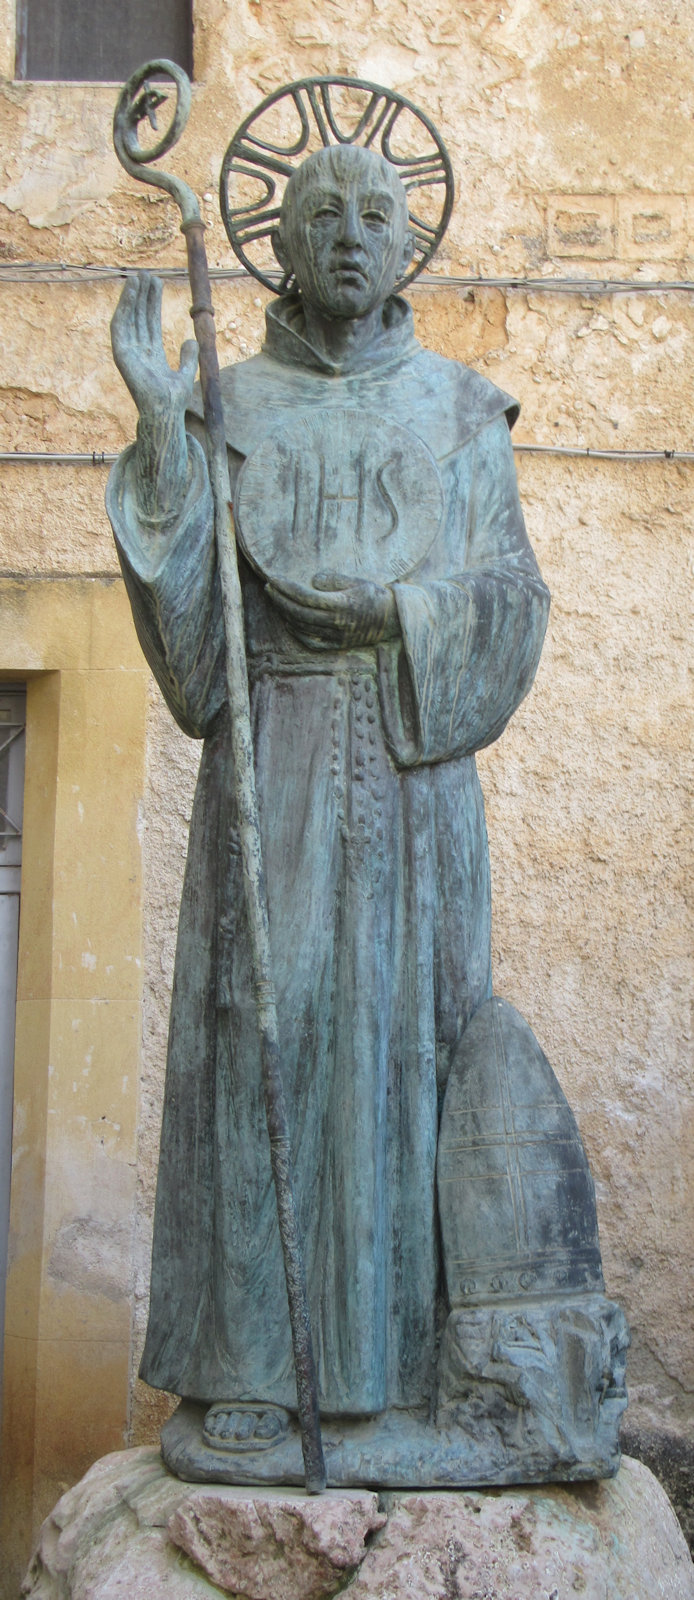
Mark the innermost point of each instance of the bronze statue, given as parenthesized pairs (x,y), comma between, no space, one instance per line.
(394,617)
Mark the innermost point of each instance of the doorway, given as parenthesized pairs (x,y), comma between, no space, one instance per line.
(12,743)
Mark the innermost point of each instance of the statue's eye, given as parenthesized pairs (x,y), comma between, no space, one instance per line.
(374,217)
(326,211)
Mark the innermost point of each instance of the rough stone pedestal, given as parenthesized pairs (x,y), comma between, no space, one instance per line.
(131,1531)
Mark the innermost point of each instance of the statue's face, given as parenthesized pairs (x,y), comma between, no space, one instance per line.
(344,231)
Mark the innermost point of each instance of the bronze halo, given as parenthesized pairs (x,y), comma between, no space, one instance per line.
(259,156)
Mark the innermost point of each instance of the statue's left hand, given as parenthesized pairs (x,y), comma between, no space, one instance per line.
(336,612)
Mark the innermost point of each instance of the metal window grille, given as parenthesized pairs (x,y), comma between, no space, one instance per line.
(11,729)
(97,40)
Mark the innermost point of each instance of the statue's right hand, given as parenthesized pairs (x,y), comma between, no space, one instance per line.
(160,393)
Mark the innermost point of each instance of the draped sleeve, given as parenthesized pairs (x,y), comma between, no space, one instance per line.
(170,574)
(471,641)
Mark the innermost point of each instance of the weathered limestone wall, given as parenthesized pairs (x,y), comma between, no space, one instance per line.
(570,128)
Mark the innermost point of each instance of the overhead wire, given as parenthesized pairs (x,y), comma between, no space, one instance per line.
(106,458)
(60,272)
(66,272)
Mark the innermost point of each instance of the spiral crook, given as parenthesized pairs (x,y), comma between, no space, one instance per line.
(140,98)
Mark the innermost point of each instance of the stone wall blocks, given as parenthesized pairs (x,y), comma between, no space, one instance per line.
(634,227)
(581,225)
(651,227)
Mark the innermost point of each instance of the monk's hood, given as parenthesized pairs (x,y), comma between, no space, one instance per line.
(442,401)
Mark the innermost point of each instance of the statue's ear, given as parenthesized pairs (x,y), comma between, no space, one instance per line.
(281,252)
(407,253)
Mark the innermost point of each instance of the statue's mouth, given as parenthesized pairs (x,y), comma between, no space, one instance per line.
(350,269)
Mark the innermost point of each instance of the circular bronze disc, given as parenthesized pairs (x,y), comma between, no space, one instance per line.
(338,491)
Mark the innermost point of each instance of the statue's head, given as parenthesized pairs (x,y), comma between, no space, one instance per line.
(343,231)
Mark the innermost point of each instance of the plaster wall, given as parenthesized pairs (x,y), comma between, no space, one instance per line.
(66,1379)
(570,128)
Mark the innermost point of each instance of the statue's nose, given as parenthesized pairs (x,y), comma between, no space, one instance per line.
(350,232)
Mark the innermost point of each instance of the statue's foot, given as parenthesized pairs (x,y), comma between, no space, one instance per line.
(238,1425)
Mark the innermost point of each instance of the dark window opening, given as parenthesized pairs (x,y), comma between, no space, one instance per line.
(97,40)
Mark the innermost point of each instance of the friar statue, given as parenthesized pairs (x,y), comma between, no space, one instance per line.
(394,616)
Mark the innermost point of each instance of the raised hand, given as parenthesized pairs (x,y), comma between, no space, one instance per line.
(161,395)
(138,350)
(336,612)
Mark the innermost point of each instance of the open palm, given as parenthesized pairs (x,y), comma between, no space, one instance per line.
(138,351)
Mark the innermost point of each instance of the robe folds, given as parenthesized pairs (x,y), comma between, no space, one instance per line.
(377,874)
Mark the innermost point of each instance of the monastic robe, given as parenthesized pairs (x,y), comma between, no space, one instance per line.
(377,875)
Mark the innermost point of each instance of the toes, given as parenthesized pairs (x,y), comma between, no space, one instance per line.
(244,1429)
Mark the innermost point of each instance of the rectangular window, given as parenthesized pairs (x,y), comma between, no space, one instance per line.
(100,40)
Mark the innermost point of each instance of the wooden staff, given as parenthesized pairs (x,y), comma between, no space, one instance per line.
(140,98)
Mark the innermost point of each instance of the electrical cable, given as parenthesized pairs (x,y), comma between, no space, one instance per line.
(105,458)
(76,273)
(56,458)
(587,452)
(67,273)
